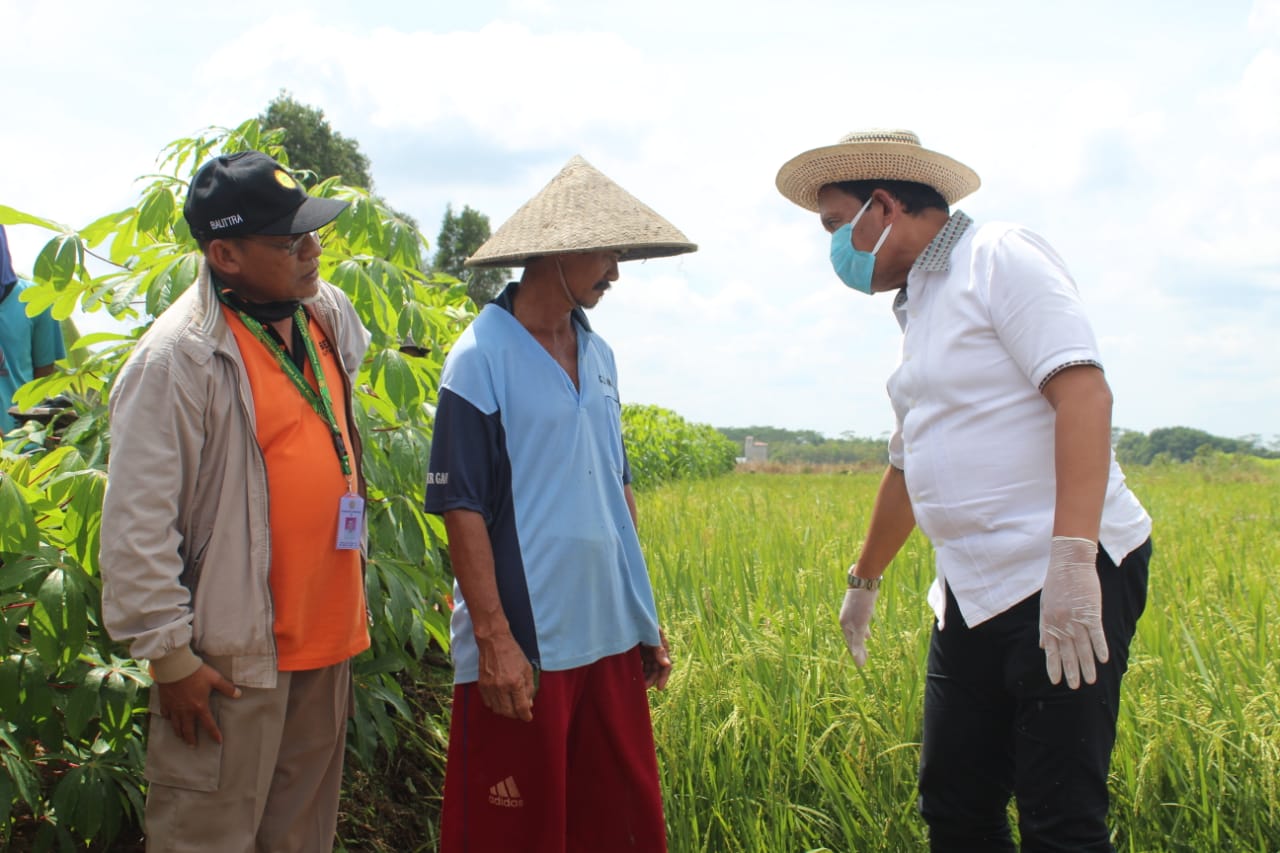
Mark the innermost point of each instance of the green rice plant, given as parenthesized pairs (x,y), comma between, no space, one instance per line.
(1197,763)
(769,738)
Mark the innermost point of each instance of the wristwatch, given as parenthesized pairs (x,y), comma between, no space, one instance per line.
(856,582)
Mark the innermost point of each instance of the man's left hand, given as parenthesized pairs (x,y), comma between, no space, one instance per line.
(657,662)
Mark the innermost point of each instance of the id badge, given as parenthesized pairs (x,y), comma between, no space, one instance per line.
(350,516)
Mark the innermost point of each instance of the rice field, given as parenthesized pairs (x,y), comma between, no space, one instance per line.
(770,739)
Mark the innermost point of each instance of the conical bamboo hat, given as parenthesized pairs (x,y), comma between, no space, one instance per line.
(581,210)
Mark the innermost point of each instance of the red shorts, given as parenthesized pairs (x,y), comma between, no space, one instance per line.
(582,776)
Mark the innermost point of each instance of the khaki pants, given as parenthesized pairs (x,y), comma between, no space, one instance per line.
(271,786)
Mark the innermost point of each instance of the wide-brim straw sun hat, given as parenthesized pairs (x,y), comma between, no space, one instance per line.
(581,210)
(870,155)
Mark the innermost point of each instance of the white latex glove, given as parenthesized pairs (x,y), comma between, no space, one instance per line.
(855,621)
(1071,612)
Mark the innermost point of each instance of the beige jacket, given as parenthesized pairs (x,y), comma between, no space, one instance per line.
(186,546)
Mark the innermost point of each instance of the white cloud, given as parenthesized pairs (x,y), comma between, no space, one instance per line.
(1149,157)
(1264,17)
(503,82)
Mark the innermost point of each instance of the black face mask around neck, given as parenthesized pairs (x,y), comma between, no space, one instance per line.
(263,312)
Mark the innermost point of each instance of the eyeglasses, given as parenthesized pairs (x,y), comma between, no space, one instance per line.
(292,247)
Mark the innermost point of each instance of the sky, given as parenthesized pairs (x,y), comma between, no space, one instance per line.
(1141,139)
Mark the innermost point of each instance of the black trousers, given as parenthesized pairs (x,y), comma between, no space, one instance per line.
(995,728)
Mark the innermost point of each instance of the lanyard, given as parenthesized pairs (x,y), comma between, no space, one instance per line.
(321,403)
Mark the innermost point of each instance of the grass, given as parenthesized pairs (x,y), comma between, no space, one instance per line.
(771,740)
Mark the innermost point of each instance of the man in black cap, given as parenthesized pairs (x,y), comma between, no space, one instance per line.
(232,555)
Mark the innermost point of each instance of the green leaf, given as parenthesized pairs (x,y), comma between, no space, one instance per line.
(9,216)
(124,242)
(82,523)
(394,378)
(95,793)
(56,464)
(65,304)
(10,689)
(129,786)
(93,678)
(77,800)
(59,625)
(350,276)
(156,213)
(97,231)
(418,638)
(34,392)
(7,792)
(170,280)
(382,408)
(18,531)
(19,570)
(94,340)
(117,707)
(399,604)
(20,773)
(411,535)
(13,614)
(436,525)
(249,131)
(392,661)
(59,261)
(44,635)
(33,687)
(82,704)
(437,625)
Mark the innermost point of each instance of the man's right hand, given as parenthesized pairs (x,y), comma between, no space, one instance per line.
(855,621)
(506,678)
(185,703)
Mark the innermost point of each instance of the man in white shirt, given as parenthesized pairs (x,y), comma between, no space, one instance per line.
(1002,454)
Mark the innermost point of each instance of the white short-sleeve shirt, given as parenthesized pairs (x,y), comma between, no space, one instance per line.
(985,325)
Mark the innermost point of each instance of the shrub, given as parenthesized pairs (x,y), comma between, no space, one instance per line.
(662,446)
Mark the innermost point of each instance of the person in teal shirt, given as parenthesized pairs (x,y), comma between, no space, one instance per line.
(28,345)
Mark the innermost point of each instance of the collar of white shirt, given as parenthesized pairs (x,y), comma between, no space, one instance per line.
(936,256)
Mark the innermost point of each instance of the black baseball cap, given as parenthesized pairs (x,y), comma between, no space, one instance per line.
(235,195)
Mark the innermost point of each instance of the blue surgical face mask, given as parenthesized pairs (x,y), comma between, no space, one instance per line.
(852,266)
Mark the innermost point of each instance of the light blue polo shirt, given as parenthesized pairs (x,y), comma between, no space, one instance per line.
(543,463)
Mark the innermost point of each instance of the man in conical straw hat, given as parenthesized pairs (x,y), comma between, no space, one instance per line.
(555,633)
(1001,454)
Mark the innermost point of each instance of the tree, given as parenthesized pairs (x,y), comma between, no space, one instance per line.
(1132,447)
(313,145)
(460,236)
(775,435)
(1181,444)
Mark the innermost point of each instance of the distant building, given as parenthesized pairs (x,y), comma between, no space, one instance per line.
(754,451)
